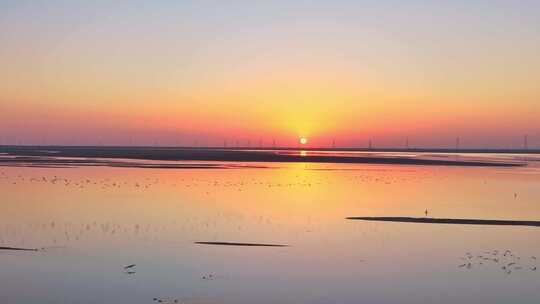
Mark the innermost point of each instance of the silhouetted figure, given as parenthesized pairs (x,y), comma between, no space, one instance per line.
(426,212)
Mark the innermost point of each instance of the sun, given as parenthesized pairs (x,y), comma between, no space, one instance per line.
(303,140)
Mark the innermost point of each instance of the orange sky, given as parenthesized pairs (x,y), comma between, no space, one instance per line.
(169,73)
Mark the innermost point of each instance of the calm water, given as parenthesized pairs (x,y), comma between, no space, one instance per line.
(93,221)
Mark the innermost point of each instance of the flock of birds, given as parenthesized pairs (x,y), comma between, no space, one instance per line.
(130,270)
(165,300)
(108,183)
(505,260)
(105,183)
(354,176)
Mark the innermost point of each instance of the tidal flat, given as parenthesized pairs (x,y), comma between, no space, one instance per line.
(125,230)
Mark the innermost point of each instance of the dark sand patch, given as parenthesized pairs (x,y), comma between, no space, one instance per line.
(224,155)
(240,244)
(426,220)
(18,249)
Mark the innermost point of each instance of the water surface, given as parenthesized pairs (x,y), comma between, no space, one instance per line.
(92,221)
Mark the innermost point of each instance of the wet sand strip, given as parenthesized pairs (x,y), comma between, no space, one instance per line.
(18,249)
(227,155)
(240,244)
(51,162)
(426,220)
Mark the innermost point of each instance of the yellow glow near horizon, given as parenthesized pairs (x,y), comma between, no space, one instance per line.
(303,140)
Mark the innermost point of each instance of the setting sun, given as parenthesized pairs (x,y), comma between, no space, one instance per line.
(303,140)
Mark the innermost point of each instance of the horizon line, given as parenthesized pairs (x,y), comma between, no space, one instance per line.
(298,148)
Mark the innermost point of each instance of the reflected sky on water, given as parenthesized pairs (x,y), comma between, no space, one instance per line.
(93,221)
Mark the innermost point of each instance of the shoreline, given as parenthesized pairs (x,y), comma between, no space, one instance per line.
(58,155)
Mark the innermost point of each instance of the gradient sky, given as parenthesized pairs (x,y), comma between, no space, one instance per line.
(176,72)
